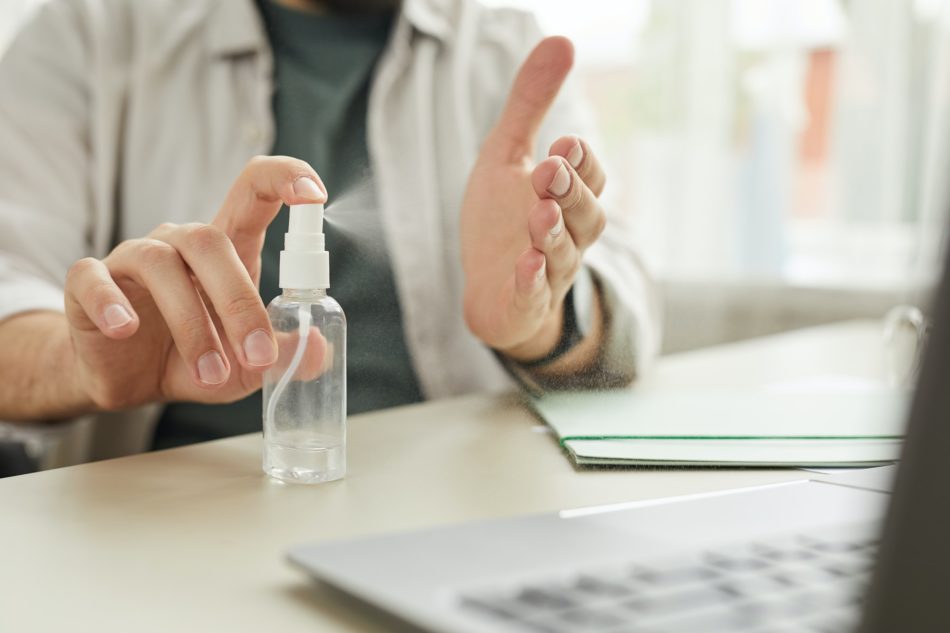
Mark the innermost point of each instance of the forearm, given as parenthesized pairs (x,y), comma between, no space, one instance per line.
(38,376)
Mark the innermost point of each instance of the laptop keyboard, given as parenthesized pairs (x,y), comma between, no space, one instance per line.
(796,583)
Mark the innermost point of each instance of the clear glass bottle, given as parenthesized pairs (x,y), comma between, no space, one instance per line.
(305,391)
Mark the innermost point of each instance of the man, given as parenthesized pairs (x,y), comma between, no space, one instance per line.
(123,126)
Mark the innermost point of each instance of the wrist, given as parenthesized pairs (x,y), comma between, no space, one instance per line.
(74,395)
(580,337)
(68,396)
(42,382)
(543,342)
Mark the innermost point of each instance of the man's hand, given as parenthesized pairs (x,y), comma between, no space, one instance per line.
(177,315)
(525,227)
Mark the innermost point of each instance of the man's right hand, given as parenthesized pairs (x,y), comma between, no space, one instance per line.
(177,315)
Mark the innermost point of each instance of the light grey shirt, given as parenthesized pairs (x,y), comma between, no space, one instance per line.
(117,115)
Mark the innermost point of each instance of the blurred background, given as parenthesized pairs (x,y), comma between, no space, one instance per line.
(785,163)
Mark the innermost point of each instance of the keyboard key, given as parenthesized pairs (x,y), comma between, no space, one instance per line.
(587,620)
(520,603)
(804,604)
(855,568)
(677,601)
(803,576)
(789,554)
(837,546)
(592,619)
(539,627)
(720,618)
(544,598)
(736,563)
(601,588)
(677,575)
(492,607)
(751,585)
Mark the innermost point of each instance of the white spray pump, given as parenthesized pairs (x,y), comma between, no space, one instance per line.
(304,262)
(305,391)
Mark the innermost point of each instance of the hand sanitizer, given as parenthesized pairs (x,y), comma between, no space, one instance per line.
(305,391)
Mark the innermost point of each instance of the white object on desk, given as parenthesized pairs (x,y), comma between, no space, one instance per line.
(762,453)
(729,427)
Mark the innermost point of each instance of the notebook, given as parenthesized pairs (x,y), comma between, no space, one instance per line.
(721,428)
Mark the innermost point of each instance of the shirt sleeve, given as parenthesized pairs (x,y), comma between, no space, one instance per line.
(45,162)
(629,299)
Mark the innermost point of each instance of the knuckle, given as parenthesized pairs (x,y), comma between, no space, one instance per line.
(575,267)
(242,306)
(120,249)
(194,327)
(153,253)
(164,228)
(562,245)
(81,268)
(204,238)
(563,253)
(567,272)
(100,295)
(256,161)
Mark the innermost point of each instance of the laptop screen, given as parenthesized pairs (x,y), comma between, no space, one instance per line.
(911,586)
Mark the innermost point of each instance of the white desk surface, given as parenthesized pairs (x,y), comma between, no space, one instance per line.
(193,539)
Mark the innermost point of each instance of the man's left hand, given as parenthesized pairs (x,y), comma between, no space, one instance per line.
(525,226)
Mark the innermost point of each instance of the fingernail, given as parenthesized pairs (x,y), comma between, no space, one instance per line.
(259,348)
(561,182)
(306,188)
(542,270)
(115,315)
(558,226)
(211,368)
(576,155)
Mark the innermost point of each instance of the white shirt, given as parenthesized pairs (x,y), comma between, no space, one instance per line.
(118,115)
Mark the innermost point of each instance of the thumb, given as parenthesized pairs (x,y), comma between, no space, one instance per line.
(534,89)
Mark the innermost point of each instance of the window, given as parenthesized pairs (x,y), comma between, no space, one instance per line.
(799,141)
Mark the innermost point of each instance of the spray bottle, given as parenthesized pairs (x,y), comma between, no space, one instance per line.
(305,391)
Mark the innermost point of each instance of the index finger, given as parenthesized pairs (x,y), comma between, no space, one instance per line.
(256,196)
(534,90)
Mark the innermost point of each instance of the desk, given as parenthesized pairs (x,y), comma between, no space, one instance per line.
(193,539)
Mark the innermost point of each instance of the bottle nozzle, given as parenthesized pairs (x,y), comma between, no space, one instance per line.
(306,218)
(304,262)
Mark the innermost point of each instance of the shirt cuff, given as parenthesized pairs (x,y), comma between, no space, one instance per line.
(612,368)
(27,295)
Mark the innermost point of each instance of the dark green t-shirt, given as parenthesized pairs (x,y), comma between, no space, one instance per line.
(323,66)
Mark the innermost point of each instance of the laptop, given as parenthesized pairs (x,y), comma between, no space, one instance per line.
(828,556)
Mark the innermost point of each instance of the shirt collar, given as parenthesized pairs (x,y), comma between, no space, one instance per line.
(235,26)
